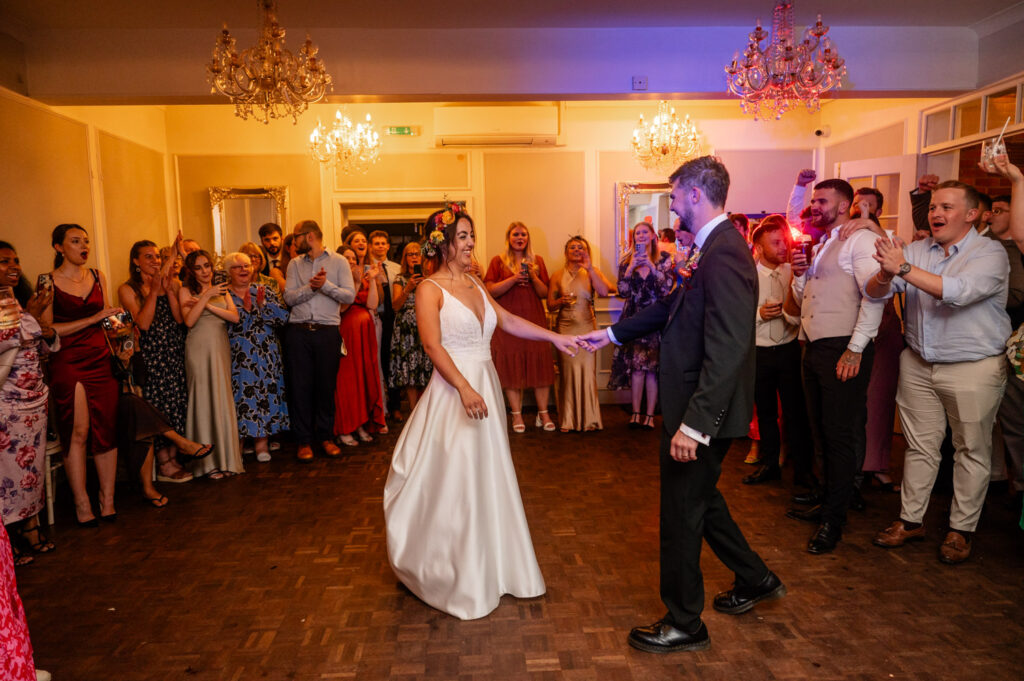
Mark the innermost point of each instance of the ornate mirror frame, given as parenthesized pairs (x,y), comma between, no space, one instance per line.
(623,192)
(218,195)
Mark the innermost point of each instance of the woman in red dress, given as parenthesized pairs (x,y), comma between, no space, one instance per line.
(81,378)
(358,398)
(518,281)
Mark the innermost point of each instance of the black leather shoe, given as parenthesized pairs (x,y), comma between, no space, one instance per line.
(811,497)
(825,539)
(765,473)
(662,637)
(857,502)
(741,598)
(808,515)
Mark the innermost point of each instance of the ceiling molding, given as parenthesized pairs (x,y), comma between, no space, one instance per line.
(1000,20)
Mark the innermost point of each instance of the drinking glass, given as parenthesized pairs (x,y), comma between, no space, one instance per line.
(10,314)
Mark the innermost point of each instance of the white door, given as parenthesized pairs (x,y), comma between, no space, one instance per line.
(895,177)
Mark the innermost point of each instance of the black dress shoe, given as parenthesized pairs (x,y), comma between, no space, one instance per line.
(808,515)
(857,502)
(741,598)
(765,473)
(811,497)
(825,539)
(662,637)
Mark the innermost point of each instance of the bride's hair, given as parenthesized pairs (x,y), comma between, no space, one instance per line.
(436,249)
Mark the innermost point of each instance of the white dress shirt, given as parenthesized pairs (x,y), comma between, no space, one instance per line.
(856,259)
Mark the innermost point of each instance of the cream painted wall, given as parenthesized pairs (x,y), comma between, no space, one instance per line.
(44,178)
(145,125)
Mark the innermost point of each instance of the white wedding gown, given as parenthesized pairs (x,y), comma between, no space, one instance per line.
(456,531)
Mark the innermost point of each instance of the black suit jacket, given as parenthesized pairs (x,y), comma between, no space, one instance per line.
(707,339)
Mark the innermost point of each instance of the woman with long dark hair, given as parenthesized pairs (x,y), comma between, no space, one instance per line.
(207,309)
(81,375)
(148,295)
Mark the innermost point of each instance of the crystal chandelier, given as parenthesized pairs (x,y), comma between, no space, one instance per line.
(665,143)
(785,72)
(351,148)
(267,81)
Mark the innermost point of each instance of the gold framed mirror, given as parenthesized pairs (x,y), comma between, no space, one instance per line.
(238,213)
(635,201)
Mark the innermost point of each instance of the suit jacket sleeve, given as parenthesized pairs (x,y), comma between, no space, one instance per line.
(648,320)
(919,202)
(730,303)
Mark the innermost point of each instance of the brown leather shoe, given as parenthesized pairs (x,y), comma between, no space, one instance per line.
(305,454)
(956,548)
(897,535)
(330,449)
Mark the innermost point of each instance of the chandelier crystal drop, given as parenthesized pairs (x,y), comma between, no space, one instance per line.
(350,147)
(784,73)
(666,142)
(267,81)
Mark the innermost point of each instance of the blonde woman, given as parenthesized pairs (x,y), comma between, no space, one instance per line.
(571,295)
(645,275)
(518,281)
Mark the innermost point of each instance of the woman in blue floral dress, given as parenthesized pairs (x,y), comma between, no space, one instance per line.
(645,275)
(257,380)
(410,367)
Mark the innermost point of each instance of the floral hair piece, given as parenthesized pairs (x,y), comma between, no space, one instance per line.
(432,246)
(452,209)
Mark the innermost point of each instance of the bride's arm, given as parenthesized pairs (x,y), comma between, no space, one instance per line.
(428,320)
(522,328)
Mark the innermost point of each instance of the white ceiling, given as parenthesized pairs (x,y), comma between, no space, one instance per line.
(17,16)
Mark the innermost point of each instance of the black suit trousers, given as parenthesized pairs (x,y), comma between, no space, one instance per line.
(311,367)
(778,380)
(692,511)
(839,415)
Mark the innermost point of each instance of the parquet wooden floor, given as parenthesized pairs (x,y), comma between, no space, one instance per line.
(281,574)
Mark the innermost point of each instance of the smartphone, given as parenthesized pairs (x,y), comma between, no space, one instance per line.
(524,268)
(417,270)
(366,268)
(119,322)
(44,282)
(220,277)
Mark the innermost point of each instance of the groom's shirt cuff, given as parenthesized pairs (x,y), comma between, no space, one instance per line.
(695,434)
(611,336)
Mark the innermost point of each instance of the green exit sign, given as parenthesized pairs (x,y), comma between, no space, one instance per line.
(406,130)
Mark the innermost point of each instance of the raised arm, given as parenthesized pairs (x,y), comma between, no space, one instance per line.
(1016,178)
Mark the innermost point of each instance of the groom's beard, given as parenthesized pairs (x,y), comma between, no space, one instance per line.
(685,221)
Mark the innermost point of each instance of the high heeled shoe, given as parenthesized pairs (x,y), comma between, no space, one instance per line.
(548,427)
(518,427)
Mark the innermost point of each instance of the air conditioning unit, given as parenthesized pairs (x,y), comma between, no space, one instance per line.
(496,126)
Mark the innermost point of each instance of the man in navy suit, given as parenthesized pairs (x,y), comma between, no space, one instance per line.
(707,397)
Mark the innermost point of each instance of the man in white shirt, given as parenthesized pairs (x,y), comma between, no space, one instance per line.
(778,362)
(839,323)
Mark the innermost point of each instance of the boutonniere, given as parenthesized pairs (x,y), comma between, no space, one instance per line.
(689,266)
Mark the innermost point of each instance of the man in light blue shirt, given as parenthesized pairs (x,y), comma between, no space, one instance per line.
(956,330)
(317,283)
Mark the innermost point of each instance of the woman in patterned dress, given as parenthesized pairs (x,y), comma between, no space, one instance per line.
(257,379)
(645,275)
(410,366)
(274,280)
(150,295)
(23,397)
(518,281)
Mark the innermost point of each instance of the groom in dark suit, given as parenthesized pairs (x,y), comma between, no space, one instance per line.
(707,397)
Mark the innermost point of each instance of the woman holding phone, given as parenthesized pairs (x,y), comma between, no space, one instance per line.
(81,375)
(207,309)
(410,366)
(645,275)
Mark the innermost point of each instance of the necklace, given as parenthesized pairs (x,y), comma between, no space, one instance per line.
(77,281)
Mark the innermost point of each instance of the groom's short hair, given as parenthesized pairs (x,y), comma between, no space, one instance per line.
(706,173)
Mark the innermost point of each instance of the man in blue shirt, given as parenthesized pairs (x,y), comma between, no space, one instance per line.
(317,283)
(956,330)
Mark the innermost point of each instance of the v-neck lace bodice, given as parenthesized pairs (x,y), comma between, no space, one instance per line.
(462,334)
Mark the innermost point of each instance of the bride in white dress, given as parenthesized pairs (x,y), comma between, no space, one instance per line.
(456,531)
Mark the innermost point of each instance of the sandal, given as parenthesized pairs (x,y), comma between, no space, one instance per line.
(648,423)
(518,427)
(363,435)
(41,544)
(382,430)
(548,425)
(180,475)
(216,474)
(634,420)
(348,441)
(157,502)
(201,453)
(21,559)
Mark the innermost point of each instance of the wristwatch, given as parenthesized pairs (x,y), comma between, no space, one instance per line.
(904,269)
